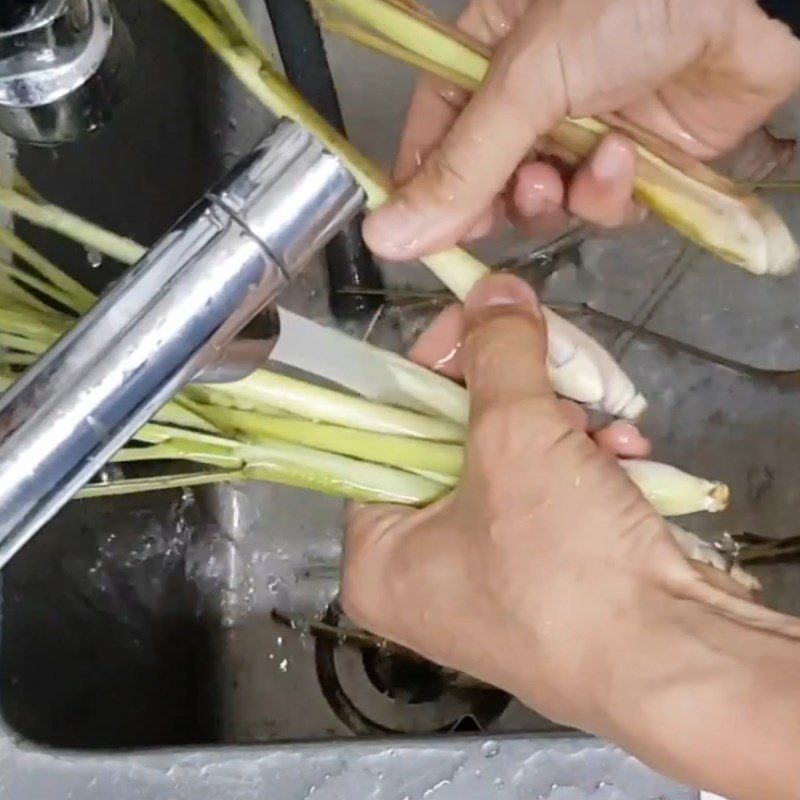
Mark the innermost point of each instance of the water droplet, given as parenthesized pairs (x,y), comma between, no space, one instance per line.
(284,665)
(498,783)
(94,257)
(490,749)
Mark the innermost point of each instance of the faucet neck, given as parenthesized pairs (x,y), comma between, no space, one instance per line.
(21,16)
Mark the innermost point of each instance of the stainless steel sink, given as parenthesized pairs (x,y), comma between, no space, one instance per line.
(148,623)
(158,610)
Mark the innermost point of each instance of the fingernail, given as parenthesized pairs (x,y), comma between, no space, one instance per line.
(501,290)
(611,160)
(531,203)
(394,230)
(629,436)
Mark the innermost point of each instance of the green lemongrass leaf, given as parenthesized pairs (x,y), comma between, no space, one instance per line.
(386,47)
(81,297)
(31,325)
(326,405)
(16,298)
(183,450)
(396,451)
(337,475)
(413,33)
(43,287)
(21,343)
(47,215)
(11,359)
(157,484)
(181,412)
(236,24)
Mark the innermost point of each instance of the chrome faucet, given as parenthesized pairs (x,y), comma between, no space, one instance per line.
(172,317)
(63,64)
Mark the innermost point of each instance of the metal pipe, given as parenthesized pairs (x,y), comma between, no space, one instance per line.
(63,66)
(169,318)
(306,64)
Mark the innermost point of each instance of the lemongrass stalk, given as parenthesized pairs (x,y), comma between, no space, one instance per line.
(44,287)
(579,367)
(674,492)
(22,344)
(702,205)
(181,413)
(82,298)
(18,359)
(342,27)
(326,405)
(31,326)
(450,481)
(771,186)
(395,451)
(202,397)
(19,183)
(159,484)
(695,549)
(47,215)
(337,475)
(456,268)
(182,450)
(15,298)
(231,16)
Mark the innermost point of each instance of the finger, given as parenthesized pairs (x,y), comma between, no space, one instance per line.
(371,519)
(475,159)
(434,107)
(535,203)
(623,440)
(537,188)
(601,191)
(721,580)
(439,346)
(651,113)
(489,222)
(505,344)
(436,103)
(481,229)
(574,414)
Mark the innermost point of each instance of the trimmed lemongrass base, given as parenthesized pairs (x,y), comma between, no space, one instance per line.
(674,492)
(705,207)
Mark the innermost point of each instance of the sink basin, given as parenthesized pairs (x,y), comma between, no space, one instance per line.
(150,621)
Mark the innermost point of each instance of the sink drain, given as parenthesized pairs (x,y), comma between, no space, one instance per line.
(386,691)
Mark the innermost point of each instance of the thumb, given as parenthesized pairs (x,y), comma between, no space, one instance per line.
(459,180)
(505,344)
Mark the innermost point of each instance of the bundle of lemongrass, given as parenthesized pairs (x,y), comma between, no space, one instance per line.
(704,206)
(401,441)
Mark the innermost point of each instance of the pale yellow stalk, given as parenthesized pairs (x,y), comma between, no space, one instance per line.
(701,204)
(581,380)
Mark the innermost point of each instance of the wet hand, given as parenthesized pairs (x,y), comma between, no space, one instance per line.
(701,75)
(544,550)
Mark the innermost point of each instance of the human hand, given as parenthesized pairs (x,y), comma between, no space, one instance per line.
(700,75)
(546,573)
(542,545)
